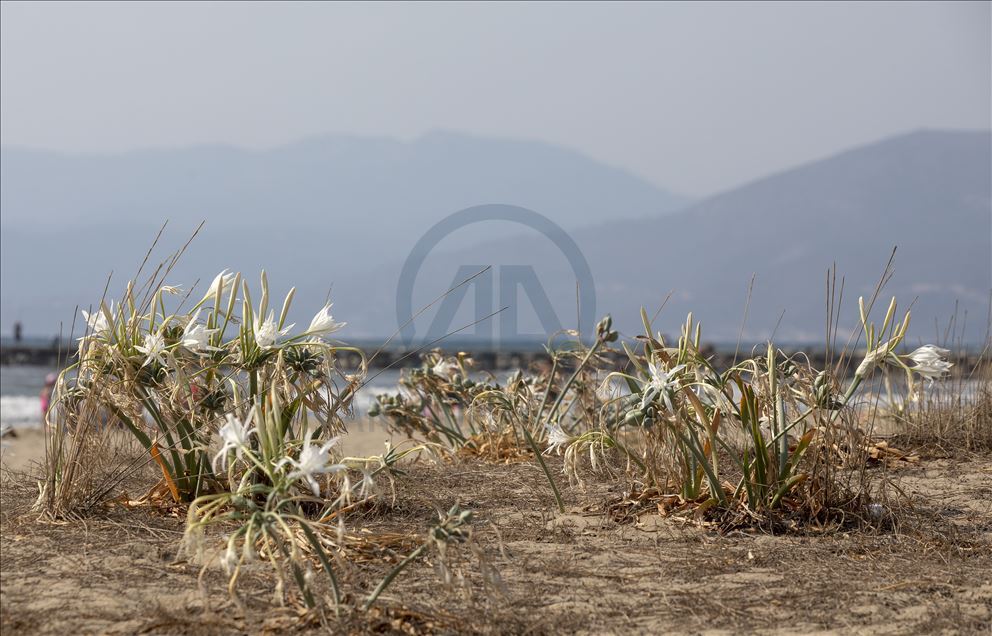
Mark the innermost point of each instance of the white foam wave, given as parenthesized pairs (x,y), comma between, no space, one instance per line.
(24,411)
(20,411)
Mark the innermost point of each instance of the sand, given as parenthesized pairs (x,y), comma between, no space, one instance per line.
(22,449)
(117,571)
(26,448)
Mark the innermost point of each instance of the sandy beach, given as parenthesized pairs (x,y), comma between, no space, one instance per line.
(24,451)
(585,571)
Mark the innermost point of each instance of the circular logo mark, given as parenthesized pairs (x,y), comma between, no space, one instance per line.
(523,274)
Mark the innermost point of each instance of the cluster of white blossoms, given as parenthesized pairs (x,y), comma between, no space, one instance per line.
(246,404)
(313,460)
(267,332)
(930,361)
(199,338)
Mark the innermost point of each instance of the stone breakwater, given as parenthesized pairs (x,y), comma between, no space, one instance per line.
(486,357)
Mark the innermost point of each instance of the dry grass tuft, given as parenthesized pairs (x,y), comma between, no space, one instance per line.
(949,417)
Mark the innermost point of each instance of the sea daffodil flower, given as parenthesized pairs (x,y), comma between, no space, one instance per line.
(662,383)
(313,460)
(196,337)
(234,434)
(97,324)
(153,348)
(557,437)
(323,323)
(268,332)
(931,362)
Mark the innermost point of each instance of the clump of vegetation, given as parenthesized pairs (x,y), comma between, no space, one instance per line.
(242,414)
(949,416)
(432,400)
(763,436)
(172,377)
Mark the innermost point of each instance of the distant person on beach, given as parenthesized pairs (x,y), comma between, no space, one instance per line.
(17,331)
(46,394)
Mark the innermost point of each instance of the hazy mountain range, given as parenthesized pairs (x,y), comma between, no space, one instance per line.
(346,211)
(927,193)
(313,213)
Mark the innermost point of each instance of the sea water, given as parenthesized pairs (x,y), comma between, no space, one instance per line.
(20,395)
(21,387)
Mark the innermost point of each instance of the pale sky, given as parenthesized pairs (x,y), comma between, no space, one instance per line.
(694,97)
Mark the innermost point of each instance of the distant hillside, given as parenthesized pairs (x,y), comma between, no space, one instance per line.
(315,213)
(343,184)
(927,193)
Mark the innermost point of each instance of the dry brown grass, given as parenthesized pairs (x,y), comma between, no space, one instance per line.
(952,416)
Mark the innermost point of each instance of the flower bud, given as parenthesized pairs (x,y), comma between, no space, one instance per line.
(604,330)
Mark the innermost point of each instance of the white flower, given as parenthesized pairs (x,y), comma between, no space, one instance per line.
(221,282)
(153,348)
(234,435)
(557,437)
(97,325)
(196,337)
(661,379)
(662,383)
(175,290)
(444,368)
(314,460)
(266,333)
(229,560)
(930,362)
(929,353)
(323,323)
(345,491)
(367,482)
